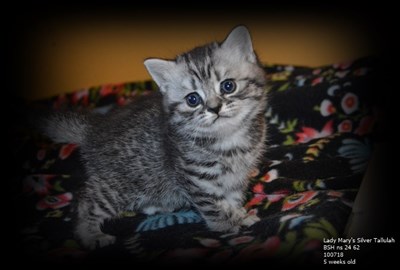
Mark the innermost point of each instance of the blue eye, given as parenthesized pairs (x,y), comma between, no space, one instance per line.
(193,99)
(228,86)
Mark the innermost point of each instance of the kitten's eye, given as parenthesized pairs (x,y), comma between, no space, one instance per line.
(228,86)
(193,99)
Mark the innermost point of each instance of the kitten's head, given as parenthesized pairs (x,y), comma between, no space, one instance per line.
(213,89)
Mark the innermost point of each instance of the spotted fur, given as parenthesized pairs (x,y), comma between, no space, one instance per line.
(160,154)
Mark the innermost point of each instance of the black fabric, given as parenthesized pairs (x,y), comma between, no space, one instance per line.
(321,121)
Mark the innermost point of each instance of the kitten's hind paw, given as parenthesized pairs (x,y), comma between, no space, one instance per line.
(98,240)
(250,220)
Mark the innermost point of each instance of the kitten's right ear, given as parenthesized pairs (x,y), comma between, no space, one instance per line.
(239,42)
(160,70)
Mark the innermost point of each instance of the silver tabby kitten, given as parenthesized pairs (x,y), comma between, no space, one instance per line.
(193,145)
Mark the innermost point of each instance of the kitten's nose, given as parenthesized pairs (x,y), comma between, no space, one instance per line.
(214,109)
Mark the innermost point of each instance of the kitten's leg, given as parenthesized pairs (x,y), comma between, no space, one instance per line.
(249,219)
(235,200)
(151,210)
(223,215)
(91,213)
(171,203)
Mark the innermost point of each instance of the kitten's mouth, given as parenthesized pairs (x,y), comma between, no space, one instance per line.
(219,117)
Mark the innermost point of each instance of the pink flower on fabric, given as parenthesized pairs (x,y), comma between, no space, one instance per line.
(317,81)
(81,95)
(327,108)
(343,65)
(258,188)
(270,176)
(345,126)
(39,183)
(276,196)
(297,199)
(240,240)
(349,103)
(365,125)
(309,134)
(335,193)
(111,89)
(211,243)
(121,101)
(106,90)
(54,202)
(259,196)
(316,71)
(257,199)
(66,150)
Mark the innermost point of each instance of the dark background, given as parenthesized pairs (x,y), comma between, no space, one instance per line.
(376,21)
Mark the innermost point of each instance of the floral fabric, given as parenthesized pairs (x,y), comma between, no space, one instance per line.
(320,122)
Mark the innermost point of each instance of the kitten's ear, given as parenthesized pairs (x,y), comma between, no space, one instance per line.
(160,70)
(239,41)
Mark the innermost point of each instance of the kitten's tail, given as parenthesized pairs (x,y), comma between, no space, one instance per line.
(67,127)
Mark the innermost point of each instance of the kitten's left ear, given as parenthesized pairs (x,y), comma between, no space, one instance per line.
(161,71)
(239,41)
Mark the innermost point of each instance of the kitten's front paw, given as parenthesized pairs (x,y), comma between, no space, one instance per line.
(249,220)
(97,240)
(232,219)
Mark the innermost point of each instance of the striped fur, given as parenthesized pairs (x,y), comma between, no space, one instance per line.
(160,154)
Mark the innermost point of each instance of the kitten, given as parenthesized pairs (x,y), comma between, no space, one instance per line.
(194,144)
